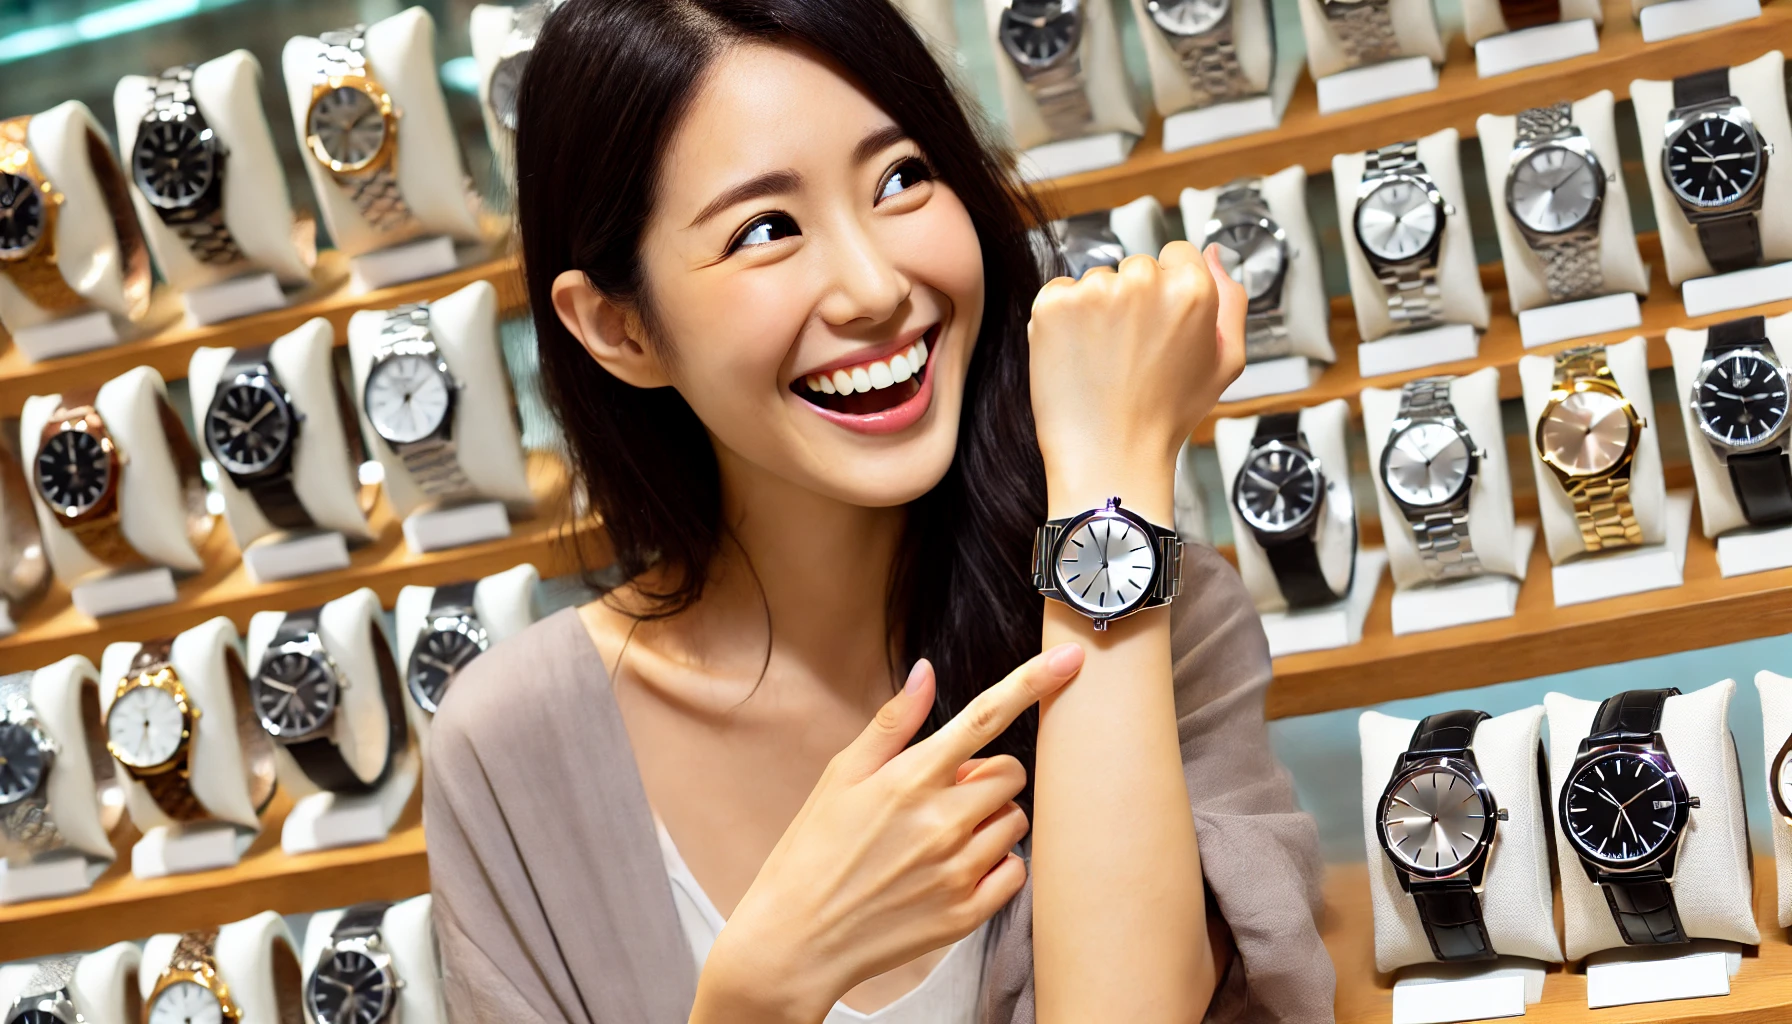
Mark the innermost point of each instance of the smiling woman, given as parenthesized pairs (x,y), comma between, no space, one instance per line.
(810,376)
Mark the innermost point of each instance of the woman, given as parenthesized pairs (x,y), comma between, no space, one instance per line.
(793,329)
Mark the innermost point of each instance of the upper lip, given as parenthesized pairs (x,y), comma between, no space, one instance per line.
(872,355)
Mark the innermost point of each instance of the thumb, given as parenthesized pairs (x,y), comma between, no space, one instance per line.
(895,724)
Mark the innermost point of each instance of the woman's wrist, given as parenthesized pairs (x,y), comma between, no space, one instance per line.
(1145,489)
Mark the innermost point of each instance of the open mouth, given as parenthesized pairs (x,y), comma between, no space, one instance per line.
(874,386)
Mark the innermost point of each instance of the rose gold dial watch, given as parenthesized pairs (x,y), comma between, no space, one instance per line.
(1587,437)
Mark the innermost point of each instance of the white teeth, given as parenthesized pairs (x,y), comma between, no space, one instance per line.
(861,380)
(872,376)
(813,382)
(881,375)
(843,383)
(827,386)
(899,369)
(921,352)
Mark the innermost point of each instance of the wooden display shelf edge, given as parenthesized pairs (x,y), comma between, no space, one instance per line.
(1310,139)
(1759,993)
(168,348)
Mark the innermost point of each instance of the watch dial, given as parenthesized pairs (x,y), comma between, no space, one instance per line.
(21,216)
(174,163)
(73,471)
(1434,820)
(507,78)
(1106,565)
(1397,221)
(348,125)
(248,428)
(1553,190)
(1587,432)
(186,1002)
(1279,488)
(1189,17)
(1251,255)
(349,988)
(294,693)
(1741,400)
(21,762)
(1713,161)
(1620,807)
(1427,464)
(144,726)
(1038,33)
(438,657)
(35,1017)
(407,398)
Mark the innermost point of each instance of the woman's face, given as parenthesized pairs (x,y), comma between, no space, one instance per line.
(816,290)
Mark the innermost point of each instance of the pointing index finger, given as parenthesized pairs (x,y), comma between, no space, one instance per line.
(993,710)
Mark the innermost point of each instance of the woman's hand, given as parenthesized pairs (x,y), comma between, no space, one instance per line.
(898,851)
(1124,365)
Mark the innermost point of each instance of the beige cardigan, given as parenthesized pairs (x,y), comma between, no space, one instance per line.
(552,902)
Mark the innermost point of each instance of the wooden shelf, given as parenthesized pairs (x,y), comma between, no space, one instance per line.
(551,541)
(1759,994)
(169,341)
(1309,138)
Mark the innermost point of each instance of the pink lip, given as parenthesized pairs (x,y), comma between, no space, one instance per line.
(891,420)
(871,356)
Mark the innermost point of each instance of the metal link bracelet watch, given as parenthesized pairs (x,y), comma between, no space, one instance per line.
(1364,28)
(47,996)
(1109,552)
(178,164)
(1255,251)
(1201,35)
(1555,190)
(1588,436)
(27,825)
(1399,224)
(1428,468)
(344,97)
(410,399)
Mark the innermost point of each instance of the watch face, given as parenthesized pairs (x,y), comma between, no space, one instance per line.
(1106,565)
(1279,489)
(186,1002)
(1434,820)
(1252,256)
(349,988)
(1553,189)
(21,216)
(74,471)
(1040,33)
(439,655)
(1740,400)
(21,762)
(175,162)
(249,427)
(507,77)
(1587,432)
(1398,220)
(1426,464)
(407,397)
(36,1017)
(1622,807)
(348,125)
(144,726)
(1713,161)
(295,693)
(1189,17)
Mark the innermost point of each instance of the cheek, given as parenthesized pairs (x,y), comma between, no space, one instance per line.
(940,250)
(727,332)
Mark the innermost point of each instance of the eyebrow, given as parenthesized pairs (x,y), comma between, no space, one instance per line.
(784,182)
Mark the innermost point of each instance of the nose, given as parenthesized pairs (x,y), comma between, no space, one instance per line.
(865,284)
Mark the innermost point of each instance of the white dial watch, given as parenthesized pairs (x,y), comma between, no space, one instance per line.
(1399,223)
(1107,563)
(409,399)
(1428,468)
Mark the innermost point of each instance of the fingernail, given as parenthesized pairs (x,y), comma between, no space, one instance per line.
(1064,659)
(914,676)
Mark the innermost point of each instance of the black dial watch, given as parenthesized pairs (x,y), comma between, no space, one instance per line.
(1739,401)
(354,981)
(1624,809)
(1280,494)
(178,165)
(451,638)
(1715,164)
(252,428)
(297,692)
(1107,563)
(1436,822)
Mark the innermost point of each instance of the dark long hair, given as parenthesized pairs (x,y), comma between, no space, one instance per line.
(606,86)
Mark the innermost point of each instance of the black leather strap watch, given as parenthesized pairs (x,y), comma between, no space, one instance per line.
(298,691)
(1280,494)
(252,429)
(1715,164)
(1739,401)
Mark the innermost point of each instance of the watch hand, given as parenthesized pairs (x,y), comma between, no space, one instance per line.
(276,684)
(1639,796)
(265,409)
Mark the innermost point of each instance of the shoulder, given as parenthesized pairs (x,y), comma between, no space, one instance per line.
(525,681)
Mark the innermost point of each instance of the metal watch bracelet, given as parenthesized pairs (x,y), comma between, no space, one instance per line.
(1413,295)
(434,462)
(1063,98)
(1441,534)
(376,193)
(206,237)
(1571,267)
(1365,29)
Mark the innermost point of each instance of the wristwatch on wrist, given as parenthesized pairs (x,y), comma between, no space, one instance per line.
(252,430)
(79,472)
(24,568)
(29,208)
(450,639)
(1200,33)
(28,755)
(1280,494)
(1555,190)
(351,128)
(47,998)
(354,981)
(191,990)
(1436,822)
(1085,241)
(1522,14)
(1107,563)
(1399,223)
(507,74)
(1365,29)
(178,164)
(409,399)
(1044,40)
(1715,164)
(1255,252)
(1428,468)
(1739,402)
(297,693)
(1587,437)
(1624,810)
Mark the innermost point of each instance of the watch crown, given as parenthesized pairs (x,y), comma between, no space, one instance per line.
(1114,502)
(1692,801)
(1502,815)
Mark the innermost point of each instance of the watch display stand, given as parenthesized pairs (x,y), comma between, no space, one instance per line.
(1565,321)
(414,260)
(1712,883)
(1760,86)
(1187,124)
(400,53)
(1335,625)
(1140,227)
(1458,276)
(1776,724)
(278,249)
(1374,83)
(1415,350)
(1273,377)
(103,989)
(408,936)
(1439,992)
(1685,17)
(1544,44)
(1115,123)
(1341,86)
(1191,504)
(1625,977)
(244,951)
(504,602)
(489,28)
(218,774)
(1517,901)
(1230,120)
(1460,602)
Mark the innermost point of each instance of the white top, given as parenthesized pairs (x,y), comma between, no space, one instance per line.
(948,995)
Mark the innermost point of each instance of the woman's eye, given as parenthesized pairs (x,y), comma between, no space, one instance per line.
(768,228)
(907,175)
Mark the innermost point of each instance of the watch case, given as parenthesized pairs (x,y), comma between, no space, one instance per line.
(1252,26)
(245,952)
(1719,511)
(506,604)
(1105,80)
(408,936)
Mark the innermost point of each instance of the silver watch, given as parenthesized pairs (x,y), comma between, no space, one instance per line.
(507,73)
(46,994)
(1107,563)
(1255,252)
(1428,468)
(178,165)
(1200,34)
(1085,241)
(1044,40)
(28,755)
(1364,28)
(1399,223)
(1555,188)
(409,399)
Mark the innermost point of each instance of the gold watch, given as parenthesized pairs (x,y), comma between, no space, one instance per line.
(1588,436)
(190,988)
(351,128)
(77,472)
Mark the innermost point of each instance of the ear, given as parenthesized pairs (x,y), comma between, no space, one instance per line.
(613,334)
